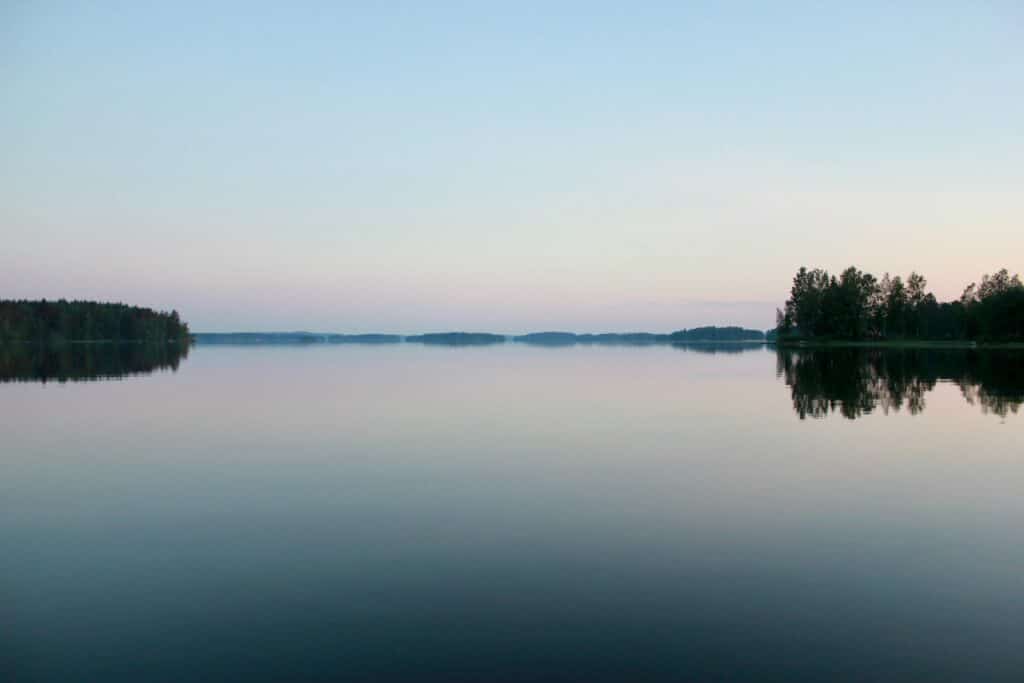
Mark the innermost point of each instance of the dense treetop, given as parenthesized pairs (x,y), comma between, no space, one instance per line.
(61,321)
(857,305)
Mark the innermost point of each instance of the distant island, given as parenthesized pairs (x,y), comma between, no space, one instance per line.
(858,307)
(458,338)
(62,321)
(292,338)
(697,334)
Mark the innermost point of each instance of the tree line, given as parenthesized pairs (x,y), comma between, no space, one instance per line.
(709,333)
(730,333)
(858,306)
(49,322)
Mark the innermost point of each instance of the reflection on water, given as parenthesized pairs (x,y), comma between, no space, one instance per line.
(85,362)
(724,347)
(855,381)
(408,512)
(851,382)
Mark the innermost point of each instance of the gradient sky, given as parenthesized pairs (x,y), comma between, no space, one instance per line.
(403,167)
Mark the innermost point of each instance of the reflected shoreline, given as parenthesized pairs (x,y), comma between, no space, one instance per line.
(851,382)
(87,361)
(854,382)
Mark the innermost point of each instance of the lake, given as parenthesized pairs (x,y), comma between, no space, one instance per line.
(512,513)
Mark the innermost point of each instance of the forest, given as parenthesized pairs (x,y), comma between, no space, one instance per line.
(858,306)
(55,322)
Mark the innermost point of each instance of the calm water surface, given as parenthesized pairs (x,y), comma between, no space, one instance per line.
(403,512)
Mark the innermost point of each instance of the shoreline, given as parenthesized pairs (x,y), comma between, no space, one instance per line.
(898,344)
(225,339)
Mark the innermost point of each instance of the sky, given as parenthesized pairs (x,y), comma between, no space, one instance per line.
(510,167)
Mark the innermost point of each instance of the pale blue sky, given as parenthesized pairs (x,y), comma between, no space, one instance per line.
(417,166)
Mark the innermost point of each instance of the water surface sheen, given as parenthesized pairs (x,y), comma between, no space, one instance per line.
(513,513)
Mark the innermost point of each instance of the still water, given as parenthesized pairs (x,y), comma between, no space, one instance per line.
(509,513)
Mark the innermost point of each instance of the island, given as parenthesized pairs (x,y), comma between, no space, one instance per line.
(857,307)
(457,338)
(697,335)
(243,338)
(60,322)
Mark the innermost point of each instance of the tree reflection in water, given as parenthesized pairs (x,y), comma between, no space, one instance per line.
(86,361)
(856,381)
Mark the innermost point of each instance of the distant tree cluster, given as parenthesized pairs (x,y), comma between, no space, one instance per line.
(457,338)
(857,305)
(712,333)
(48,322)
(697,334)
(243,338)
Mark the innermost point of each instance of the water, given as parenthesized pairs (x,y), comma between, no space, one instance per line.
(508,513)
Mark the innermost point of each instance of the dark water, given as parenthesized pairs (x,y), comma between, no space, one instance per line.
(514,513)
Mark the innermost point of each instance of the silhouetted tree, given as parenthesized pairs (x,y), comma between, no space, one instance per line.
(857,306)
(59,321)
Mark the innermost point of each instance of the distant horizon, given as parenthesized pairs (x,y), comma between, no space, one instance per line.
(590,316)
(472,331)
